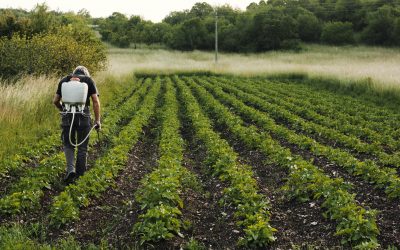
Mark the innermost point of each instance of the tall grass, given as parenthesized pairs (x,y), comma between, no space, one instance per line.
(27,113)
(378,65)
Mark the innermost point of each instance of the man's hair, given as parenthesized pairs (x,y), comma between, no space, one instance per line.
(81,70)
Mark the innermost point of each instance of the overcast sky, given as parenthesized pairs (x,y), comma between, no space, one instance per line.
(154,10)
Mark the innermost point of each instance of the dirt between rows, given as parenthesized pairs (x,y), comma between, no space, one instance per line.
(212,225)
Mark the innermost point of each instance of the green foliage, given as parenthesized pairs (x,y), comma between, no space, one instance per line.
(44,43)
(337,33)
(50,54)
(193,244)
(383,26)
(309,27)
(271,28)
(190,35)
(18,238)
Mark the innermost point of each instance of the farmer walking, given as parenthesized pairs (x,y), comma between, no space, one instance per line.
(79,124)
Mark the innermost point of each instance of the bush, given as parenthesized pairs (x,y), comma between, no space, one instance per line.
(382,27)
(338,33)
(49,54)
(291,44)
(309,27)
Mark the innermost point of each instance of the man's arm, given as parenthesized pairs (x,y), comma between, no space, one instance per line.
(56,101)
(96,109)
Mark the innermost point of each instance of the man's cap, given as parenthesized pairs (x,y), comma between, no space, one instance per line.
(81,70)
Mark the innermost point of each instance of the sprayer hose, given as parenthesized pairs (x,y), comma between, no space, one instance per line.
(70,132)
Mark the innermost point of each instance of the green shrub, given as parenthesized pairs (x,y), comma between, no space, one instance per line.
(338,33)
(50,54)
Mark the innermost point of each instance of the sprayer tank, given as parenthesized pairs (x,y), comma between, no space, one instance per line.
(74,92)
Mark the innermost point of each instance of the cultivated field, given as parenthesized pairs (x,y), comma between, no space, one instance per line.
(214,161)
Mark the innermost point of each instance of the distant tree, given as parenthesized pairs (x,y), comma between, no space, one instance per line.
(134,28)
(84,13)
(176,17)
(382,26)
(338,33)
(42,19)
(201,10)
(14,22)
(8,24)
(157,33)
(271,27)
(309,27)
(190,35)
(114,29)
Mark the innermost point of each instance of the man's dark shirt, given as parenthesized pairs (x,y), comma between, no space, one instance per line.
(91,86)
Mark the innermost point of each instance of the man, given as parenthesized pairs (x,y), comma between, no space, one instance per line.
(81,126)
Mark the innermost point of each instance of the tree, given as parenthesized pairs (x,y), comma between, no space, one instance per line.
(201,10)
(349,11)
(176,17)
(190,35)
(381,26)
(42,19)
(309,27)
(8,24)
(271,27)
(135,29)
(338,33)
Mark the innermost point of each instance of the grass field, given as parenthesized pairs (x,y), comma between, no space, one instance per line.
(198,160)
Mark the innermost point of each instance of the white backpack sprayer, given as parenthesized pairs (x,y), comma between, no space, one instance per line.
(74,94)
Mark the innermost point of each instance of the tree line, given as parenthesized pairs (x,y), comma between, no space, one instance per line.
(267,25)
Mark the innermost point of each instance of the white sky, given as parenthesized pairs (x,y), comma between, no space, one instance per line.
(154,10)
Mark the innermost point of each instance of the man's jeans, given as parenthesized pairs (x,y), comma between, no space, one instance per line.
(80,129)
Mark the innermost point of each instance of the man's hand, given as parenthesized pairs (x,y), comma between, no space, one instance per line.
(56,101)
(97,125)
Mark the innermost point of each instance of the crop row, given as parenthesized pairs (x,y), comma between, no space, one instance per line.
(159,194)
(364,105)
(382,177)
(355,224)
(304,109)
(350,109)
(65,207)
(27,192)
(309,128)
(251,207)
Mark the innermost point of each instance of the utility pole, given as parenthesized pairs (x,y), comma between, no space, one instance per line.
(216,36)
